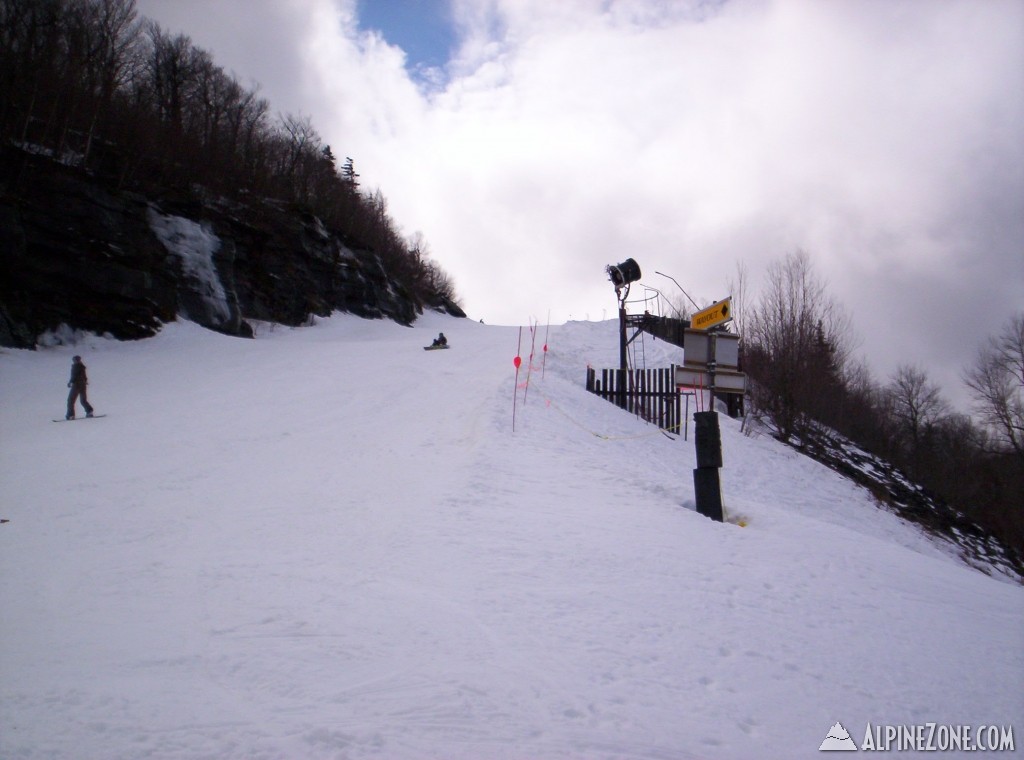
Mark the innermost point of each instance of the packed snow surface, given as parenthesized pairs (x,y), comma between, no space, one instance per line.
(329,543)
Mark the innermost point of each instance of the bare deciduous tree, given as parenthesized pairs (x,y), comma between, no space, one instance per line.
(739,291)
(917,406)
(116,40)
(997,382)
(171,73)
(798,341)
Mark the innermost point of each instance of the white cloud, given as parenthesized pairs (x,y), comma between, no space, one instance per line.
(881,137)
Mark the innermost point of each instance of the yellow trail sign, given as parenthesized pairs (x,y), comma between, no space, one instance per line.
(715,314)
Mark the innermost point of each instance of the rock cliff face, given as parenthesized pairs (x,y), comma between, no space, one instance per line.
(77,253)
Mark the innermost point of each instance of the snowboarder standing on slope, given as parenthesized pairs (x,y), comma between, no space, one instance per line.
(77,384)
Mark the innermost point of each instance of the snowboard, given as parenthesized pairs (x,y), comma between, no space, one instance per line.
(433,348)
(75,419)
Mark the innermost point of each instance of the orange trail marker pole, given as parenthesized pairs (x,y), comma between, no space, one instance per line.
(515,388)
(529,368)
(544,359)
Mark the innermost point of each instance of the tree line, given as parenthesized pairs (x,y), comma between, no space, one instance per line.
(798,353)
(96,86)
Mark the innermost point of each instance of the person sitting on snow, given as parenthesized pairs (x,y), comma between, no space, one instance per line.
(440,340)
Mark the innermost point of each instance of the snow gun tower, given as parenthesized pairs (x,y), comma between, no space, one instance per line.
(649,393)
(622,276)
(669,329)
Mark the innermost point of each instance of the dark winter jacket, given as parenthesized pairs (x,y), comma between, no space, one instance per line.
(78,375)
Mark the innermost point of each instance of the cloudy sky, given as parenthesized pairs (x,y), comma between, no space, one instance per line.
(533,142)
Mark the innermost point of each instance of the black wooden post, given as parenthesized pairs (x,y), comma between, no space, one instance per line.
(623,358)
(707,487)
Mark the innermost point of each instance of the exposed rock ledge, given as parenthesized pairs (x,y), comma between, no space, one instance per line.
(77,253)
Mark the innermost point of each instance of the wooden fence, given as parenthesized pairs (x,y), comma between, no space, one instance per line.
(650,394)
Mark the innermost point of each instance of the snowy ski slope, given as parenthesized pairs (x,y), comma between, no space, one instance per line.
(328,543)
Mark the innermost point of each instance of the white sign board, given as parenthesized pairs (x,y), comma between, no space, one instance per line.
(726,381)
(691,378)
(697,349)
(730,382)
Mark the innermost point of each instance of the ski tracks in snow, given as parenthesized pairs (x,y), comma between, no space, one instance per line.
(328,543)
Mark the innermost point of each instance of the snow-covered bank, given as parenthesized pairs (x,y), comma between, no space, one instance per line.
(328,543)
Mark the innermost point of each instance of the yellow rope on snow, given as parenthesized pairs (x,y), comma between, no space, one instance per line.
(602,436)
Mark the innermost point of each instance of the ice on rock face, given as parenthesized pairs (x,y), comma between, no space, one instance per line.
(195,246)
